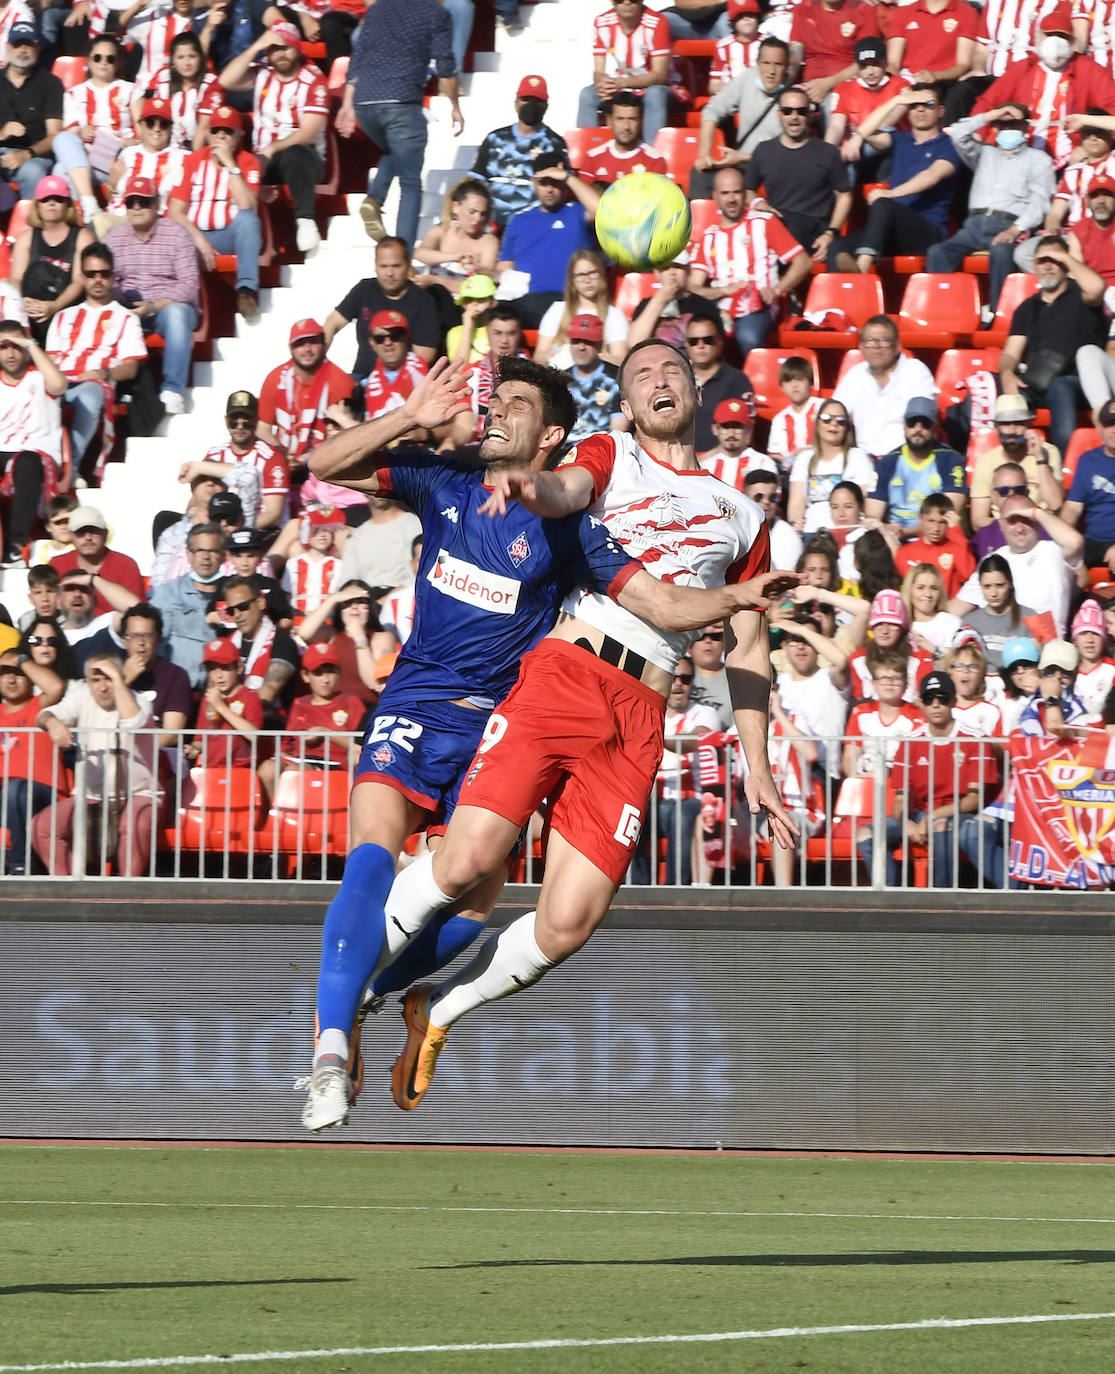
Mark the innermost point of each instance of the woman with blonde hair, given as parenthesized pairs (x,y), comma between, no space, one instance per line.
(932,627)
(46,256)
(586,293)
(831,459)
(462,242)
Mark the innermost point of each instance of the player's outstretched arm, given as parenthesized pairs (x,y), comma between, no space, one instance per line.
(352,457)
(676,608)
(748,667)
(549,494)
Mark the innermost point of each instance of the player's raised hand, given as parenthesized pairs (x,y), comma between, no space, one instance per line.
(508,487)
(762,794)
(762,592)
(441,394)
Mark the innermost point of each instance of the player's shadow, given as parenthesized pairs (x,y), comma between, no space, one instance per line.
(103,1287)
(885,1257)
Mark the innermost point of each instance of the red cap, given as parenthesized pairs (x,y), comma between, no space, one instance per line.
(322,516)
(389,319)
(222,652)
(141,186)
(320,656)
(1100,183)
(535,86)
(733,412)
(287,32)
(738,7)
(1058,20)
(590,328)
(156,108)
(301,330)
(225,117)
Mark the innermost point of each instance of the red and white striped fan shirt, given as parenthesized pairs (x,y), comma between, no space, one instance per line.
(745,257)
(383,393)
(88,337)
(274,474)
(308,580)
(30,418)
(163,168)
(156,35)
(14,12)
(105,107)
(296,408)
(1100,15)
(733,469)
(187,106)
(733,56)
(1074,183)
(630,52)
(280,106)
(791,431)
(203,188)
(1007,31)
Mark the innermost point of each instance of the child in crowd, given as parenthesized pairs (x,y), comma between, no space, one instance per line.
(939,542)
(967,666)
(740,50)
(889,624)
(792,428)
(42,592)
(227,706)
(875,727)
(312,571)
(1021,678)
(933,627)
(57,522)
(323,722)
(245,558)
(1096,674)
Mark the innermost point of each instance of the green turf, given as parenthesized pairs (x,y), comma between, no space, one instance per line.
(84,1282)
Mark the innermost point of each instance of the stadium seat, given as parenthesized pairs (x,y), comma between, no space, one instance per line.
(309,815)
(955,366)
(579,141)
(1017,287)
(17,221)
(980,440)
(71,71)
(705,214)
(679,148)
(762,372)
(633,288)
(939,309)
(220,810)
(694,47)
(1082,440)
(906,265)
(857,295)
(979,264)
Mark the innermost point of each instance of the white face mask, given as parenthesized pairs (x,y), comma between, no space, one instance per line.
(1055,52)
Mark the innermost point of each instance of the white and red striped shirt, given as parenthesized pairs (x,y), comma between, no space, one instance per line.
(280,106)
(296,408)
(982,718)
(203,188)
(13,12)
(309,579)
(1100,15)
(624,53)
(1007,31)
(274,474)
(733,56)
(188,105)
(1093,684)
(88,338)
(11,304)
(867,728)
(156,35)
(745,257)
(163,168)
(1074,183)
(397,612)
(105,107)
(734,468)
(792,430)
(383,393)
(30,418)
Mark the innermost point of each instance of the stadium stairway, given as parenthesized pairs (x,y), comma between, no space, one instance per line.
(556,39)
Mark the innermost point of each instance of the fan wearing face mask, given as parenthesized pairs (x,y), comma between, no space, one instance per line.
(1054,84)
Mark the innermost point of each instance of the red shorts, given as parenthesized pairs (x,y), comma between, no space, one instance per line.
(585,735)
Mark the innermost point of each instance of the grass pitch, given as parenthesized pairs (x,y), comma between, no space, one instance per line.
(317,1260)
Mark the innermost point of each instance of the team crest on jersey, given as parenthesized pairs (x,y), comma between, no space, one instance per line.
(519,549)
(339,717)
(382,756)
(725,507)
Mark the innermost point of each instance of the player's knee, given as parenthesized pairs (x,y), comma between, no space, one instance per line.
(460,866)
(561,931)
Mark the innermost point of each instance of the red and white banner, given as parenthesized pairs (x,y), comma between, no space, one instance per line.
(1064,810)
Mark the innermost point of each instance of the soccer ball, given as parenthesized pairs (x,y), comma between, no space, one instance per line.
(643,221)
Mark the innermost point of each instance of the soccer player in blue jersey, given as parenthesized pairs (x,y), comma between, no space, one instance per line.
(486,591)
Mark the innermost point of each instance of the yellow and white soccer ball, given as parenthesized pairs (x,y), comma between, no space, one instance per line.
(643,221)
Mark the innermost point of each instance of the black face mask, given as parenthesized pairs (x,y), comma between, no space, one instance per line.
(532,110)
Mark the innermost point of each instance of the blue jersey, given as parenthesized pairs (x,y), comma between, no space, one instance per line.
(486,590)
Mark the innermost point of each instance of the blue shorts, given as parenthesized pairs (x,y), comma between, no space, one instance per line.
(422,749)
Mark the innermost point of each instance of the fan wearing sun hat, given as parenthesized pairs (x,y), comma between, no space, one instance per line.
(1055,704)
(475,298)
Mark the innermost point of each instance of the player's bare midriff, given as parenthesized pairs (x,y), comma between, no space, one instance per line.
(576,631)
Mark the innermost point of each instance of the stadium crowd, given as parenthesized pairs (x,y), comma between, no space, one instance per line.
(897,302)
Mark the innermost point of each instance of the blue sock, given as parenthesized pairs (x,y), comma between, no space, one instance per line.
(353,936)
(435,947)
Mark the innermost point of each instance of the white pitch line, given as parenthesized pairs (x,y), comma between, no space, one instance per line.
(541,1211)
(494,1347)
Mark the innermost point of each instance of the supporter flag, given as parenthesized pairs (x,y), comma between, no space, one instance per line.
(1064,810)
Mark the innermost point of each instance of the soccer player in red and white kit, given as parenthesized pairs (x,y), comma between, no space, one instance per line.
(631,52)
(625,152)
(740,262)
(290,105)
(584,723)
(30,432)
(245,446)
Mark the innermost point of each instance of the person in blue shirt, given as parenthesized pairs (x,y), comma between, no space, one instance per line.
(912,213)
(487,590)
(1092,494)
(921,466)
(540,240)
(593,382)
(505,160)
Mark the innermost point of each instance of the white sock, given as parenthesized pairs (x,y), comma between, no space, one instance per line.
(331,1042)
(507,962)
(413,900)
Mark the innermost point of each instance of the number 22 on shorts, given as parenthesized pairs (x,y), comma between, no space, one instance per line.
(397,729)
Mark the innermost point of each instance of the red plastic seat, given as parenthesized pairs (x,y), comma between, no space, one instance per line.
(956,365)
(694,47)
(1082,440)
(221,810)
(858,295)
(979,441)
(579,141)
(706,213)
(939,309)
(17,221)
(679,148)
(71,71)
(309,815)
(633,288)
(762,373)
(1017,288)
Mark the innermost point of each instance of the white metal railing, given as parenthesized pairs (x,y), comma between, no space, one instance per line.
(279,812)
